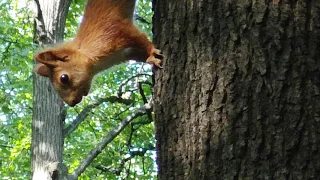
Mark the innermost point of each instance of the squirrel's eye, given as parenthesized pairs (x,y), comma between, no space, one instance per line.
(64,79)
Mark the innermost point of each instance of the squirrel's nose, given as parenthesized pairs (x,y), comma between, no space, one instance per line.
(75,101)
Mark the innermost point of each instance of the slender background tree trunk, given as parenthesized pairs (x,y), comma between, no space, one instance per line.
(238,96)
(48,108)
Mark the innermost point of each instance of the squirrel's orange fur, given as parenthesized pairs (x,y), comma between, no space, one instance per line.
(106,36)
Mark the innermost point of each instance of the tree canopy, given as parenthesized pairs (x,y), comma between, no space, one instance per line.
(117,93)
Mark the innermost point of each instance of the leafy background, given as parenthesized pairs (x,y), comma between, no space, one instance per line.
(130,155)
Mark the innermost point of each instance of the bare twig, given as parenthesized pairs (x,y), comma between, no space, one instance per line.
(141,19)
(130,136)
(133,154)
(112,134)
(140,123)
(141,91)
(120,90)
(85,112)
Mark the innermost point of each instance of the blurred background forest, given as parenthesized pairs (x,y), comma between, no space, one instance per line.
(131,155)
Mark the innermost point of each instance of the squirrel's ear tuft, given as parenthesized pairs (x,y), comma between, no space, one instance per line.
(42,70)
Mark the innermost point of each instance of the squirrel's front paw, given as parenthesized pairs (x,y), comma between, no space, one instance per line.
(155,58)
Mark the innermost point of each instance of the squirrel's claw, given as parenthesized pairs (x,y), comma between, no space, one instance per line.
(155,61)
(155,58)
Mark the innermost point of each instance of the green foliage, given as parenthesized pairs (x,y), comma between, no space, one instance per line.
(143,16)
(74,17)
(99,122)
(130,155)
(16,51)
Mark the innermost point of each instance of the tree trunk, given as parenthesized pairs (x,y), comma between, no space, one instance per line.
(48,108)
(238,97)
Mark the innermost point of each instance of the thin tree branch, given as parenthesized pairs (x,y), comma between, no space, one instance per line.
(120,92)
(112,134)
(141,19)
(85,112)
(141,91)
(132,154)
(142,122)
(130,136)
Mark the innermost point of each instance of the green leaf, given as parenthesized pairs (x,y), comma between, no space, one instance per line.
(5,109)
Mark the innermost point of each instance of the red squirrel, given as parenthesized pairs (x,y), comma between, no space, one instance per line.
(106,37)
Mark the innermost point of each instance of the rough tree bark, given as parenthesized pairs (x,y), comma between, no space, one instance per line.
(48,108)
(238,96)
